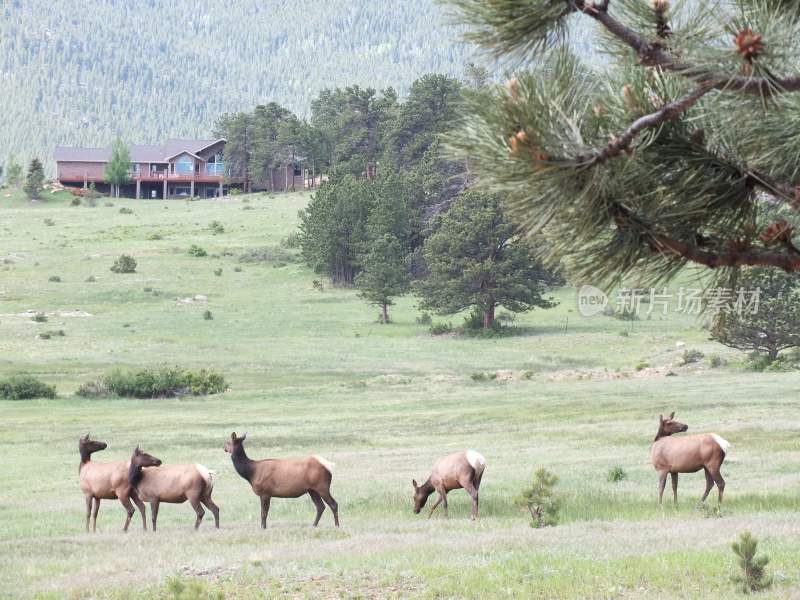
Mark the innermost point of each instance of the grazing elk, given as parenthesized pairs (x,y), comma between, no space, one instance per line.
(687,454)
(173,484)
(454,471)
(285,478)
(105,481)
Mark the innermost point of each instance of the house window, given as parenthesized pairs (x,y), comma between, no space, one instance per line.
(181,190)
(216,165)
(297,171)
(184,165)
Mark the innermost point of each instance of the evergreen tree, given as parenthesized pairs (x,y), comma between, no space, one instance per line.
(13,171)
(34,180)
(753,577)
(118,168)
(776,324)
(477,260)
(669,156)
(384,274)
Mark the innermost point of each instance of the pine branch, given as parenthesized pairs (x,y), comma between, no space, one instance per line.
(653,54)
(669,112)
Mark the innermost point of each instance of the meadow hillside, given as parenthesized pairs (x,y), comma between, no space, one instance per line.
(312,371)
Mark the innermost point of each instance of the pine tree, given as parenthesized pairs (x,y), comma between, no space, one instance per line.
(118,168)
(384,274)
(753,577)
(477,260)
(34,180)
(13,171)
(669,155)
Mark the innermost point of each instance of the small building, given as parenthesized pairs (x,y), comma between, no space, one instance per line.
(175,169)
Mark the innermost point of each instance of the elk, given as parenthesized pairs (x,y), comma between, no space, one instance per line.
(173,484)
(285,478)
(687,454)
(105,481)
(451,472)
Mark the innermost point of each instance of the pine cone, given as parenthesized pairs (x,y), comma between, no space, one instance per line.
(512,85)
(750,45)
(779,231)
(517,141)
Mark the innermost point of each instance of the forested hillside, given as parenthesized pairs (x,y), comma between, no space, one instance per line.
(84,72)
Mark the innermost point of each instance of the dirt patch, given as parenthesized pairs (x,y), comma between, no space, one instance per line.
(29,314)
(196,299)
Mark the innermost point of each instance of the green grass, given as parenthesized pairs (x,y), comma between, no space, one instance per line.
(313,372)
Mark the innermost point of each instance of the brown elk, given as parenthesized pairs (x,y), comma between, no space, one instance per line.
(173,484)
(105,481)
(285,478)
(454,471)
(687,454)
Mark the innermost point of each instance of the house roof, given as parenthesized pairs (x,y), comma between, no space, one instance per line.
(139,152)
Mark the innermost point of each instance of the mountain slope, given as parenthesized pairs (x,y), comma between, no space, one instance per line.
(81,73)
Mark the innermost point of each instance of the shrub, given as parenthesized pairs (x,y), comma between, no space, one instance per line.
(208,315)
(237,269)
(177,589)
(218,272)
(39,317)
(75,202)
(195,250)
(266,254)
(124,264)
(54,279)
(483,376)
(317,285)
(540,499)
(440,328)
(125,211)
(109,204)
(424,319)
(715,361)
(164,382)
(616,474)
(753,577)
(49,222)
(692,356)
(507,316)
(90,279)
(154,236)
(25,387)
(46,335)
(291,241)
(642,366)
(216,227)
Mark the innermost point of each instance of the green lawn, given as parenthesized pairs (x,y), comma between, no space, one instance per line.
(313,372)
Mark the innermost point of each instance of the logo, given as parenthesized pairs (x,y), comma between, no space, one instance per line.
(591,301)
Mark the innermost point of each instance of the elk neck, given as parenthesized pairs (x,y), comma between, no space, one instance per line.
(242,464)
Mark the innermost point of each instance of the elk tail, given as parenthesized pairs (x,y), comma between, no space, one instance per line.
(325,463)
(208,476)
(723,444)
(477,462)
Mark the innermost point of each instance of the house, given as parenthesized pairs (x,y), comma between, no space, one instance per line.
(175,169)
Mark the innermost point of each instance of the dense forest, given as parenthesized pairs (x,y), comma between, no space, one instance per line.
(83,73)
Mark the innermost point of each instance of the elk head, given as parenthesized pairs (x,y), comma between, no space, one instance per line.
(234,443)
(421,494)
(87,447)
(143,459)
(669,426)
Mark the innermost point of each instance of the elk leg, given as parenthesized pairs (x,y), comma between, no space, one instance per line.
(662,482)
(154,510)
(315,497)
(264,511)
(199,511)
(720,483)
(89,500)
(674,486)
(473,492)
(140,505)
(95,510)
(709,484)
(334,506)
(435,504)
(126,502)
(209,503)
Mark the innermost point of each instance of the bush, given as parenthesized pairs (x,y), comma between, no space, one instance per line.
(291,241)
(125,211)
(54,279)
(317,285)
(177,589)
(208,315)
(483,376)
(154,236)
(424,319)
(39,317)
(90,279)
(124,264)
(75,202)
(440,328)
(507,317)
(715,361)
(218,272)
(25,387)
(195,250)
(216,227)
(46,335)
(164,382)
(237,269)
(49,222)
(642,366)
(692,356)
(540,500)
(616,474)
(266,254)
(753,577)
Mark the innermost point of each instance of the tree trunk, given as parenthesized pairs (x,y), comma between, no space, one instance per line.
(385,313)
(773,353)
(488,317)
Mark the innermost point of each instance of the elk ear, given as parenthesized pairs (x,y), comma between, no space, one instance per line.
(244,436)
(137,450)
(414,483)
(86,437)
(672,415)
(233,436)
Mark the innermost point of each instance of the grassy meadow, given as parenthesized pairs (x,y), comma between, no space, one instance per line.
(312,371)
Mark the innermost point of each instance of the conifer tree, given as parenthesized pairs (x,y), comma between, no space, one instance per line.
(34,180)
(13,171)
(118,168)
(667,155)
(384,274)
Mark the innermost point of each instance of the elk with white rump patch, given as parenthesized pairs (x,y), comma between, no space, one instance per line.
(454,471)
(173,484)
(286,478)
(687,454)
